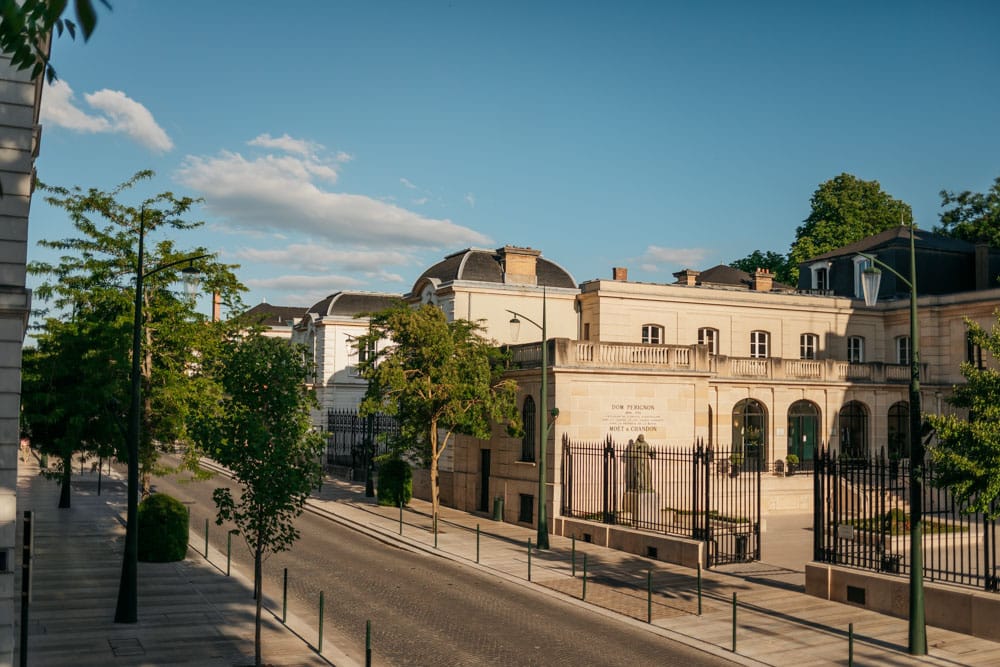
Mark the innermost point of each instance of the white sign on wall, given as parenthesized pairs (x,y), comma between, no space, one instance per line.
(632,417)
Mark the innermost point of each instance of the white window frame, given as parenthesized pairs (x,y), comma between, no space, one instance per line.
(652,334)
(860,264)
(760,343)
(360,355)
(818,269)
(903,350)
(709,336)
(808,346)
(856,349)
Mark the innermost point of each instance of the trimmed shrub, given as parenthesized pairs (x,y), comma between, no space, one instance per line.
(395,482)
(163,529)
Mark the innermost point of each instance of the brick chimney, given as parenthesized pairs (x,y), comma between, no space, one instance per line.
(687,277)
(519,265)
(216,307)
(763,279)
(619,273)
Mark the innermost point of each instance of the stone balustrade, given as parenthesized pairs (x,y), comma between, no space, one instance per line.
(696,359)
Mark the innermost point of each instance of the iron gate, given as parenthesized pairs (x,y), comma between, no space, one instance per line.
(701,493)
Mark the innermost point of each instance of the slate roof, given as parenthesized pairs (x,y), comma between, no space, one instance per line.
(273,316)
(728,276)
(480,265)
(349,304)
(923,239)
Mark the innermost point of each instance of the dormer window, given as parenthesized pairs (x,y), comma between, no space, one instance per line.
(820,276)
(860,264)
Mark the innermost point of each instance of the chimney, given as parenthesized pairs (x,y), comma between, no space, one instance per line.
(216,307)
(762,280)
(619,273)
(982,266)
(519,265)
(687,277)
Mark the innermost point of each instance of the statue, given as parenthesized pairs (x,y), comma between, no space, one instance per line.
(638,476)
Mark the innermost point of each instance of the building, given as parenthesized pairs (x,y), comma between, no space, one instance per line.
(20,134)
(277,321)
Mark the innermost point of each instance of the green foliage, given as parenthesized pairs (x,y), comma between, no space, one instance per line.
(25,28)
(395,482)
(776,263)
(94,281)
(845,209)
(163,529)
(975,217)
(792,459)
(258,426)
(967,451)
(438,378)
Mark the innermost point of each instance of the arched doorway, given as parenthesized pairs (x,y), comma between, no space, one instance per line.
(853,421)
(899,431)
(750,430)
(803,432)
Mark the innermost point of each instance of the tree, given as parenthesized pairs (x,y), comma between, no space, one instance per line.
(845,209)
(259,427)
(975,216)
(967,450)
(92,277)
(26,28)
(775,262)
(438,378)
(69,388)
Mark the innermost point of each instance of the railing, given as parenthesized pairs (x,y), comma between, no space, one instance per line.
(348,437)
(862,520)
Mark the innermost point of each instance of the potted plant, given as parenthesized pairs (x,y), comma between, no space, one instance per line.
(792,464)
(736,463)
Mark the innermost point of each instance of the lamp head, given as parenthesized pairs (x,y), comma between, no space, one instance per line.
(515,327)
(192,278)
(871,278)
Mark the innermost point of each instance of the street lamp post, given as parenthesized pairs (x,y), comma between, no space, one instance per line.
(542,541)
(871,279)
(127,608)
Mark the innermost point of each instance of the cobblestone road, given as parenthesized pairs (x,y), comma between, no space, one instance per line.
(425,610)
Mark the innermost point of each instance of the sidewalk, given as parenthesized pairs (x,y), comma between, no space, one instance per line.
(775,625)
(190,613)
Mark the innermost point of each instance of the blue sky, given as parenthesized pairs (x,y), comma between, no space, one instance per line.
(349,145)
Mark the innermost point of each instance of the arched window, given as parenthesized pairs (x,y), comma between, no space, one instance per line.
(899,430)
(710,337)
(854,430)
(652,334)
(529,420)
(750,430)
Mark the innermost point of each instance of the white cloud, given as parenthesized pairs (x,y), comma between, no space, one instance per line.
(420,201)
(119,114)
(470,199)
(406,182)
(343,157)
(312,257)
(282,193)
(287,144)
(657,258)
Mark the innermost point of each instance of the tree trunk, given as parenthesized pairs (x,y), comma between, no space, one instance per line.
(64,491)
(257,570)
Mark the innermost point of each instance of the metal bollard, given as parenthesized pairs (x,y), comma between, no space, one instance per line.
(734,622)
(229,551)
(529,559)
(435,530)
(206,539)
(284,597)
(573,554)
(584,596)
(649,596)
(477,543)
(699,589)
(368,644)
(400,517)
(850,645)
(320,643)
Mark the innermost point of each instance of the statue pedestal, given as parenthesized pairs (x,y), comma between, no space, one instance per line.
(642,506)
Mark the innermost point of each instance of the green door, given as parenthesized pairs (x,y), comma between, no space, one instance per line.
(803,428)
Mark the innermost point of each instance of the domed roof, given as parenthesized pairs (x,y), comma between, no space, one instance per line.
(349,304)
(488,266)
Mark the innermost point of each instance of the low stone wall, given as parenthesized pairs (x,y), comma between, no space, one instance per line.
(964,610)
(666,548)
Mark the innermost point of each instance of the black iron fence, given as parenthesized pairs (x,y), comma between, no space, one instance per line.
(700,493)
(862,519)
(353,440)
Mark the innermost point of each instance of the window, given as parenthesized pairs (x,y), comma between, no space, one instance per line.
(903,350)
(973,353)
(808,344)
(709,337)
(526,513)
(899,430)
(758,344)
(529,420)
(652,334)
(855,349)
(860,264)
(820,276)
